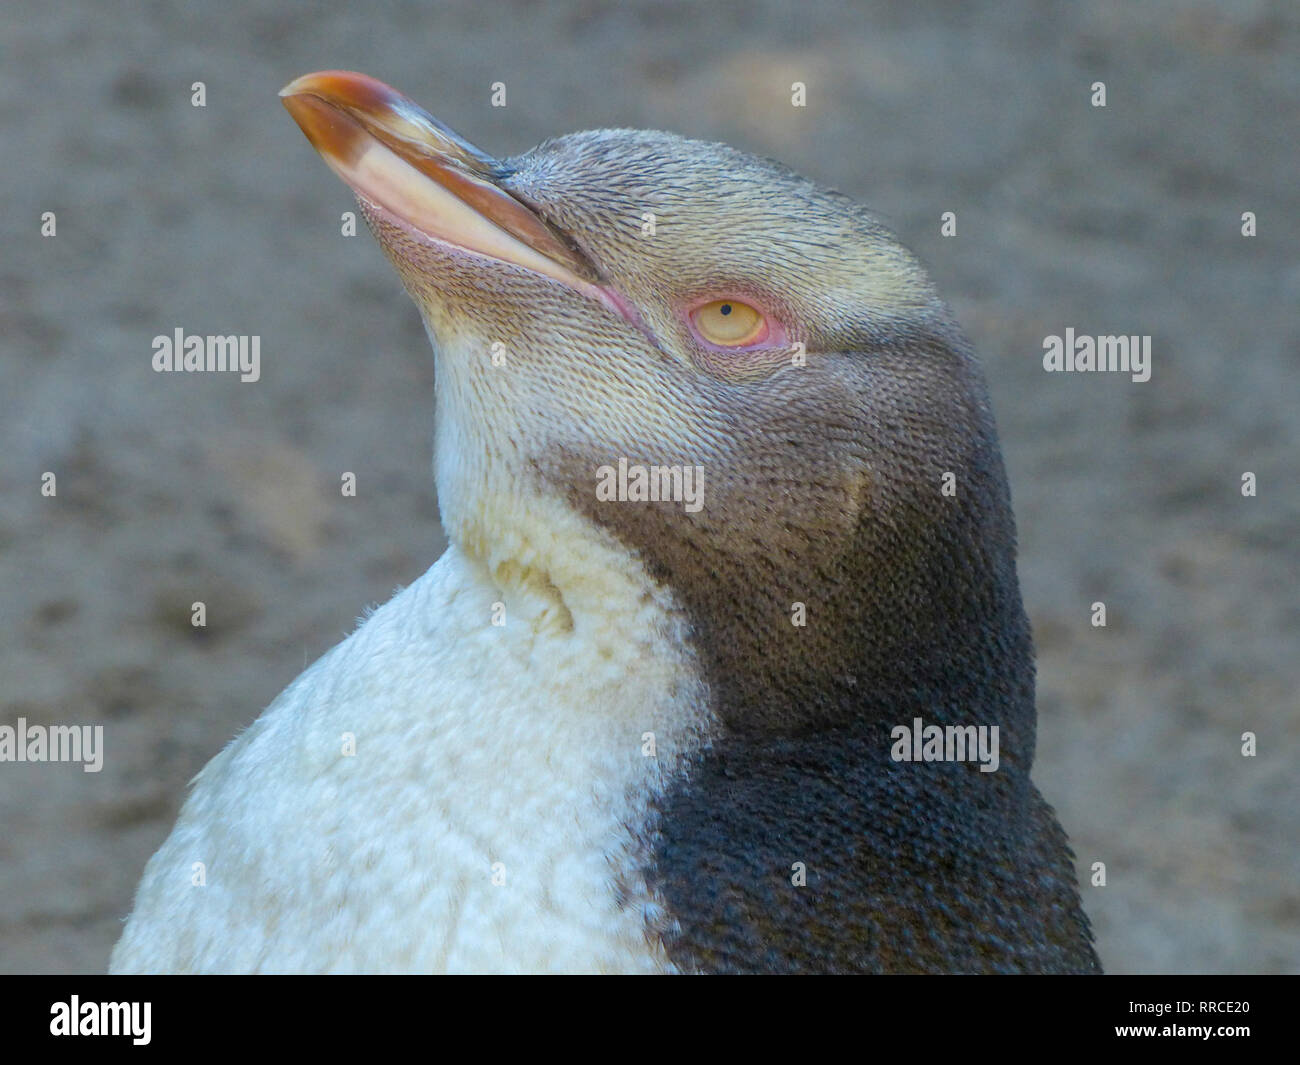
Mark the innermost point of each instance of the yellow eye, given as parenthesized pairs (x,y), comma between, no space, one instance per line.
(729,323)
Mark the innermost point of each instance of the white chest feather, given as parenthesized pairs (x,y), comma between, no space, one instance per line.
(440,793)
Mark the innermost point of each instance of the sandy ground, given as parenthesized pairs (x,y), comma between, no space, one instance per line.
(179,488)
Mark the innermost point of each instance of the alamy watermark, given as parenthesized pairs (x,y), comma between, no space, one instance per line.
(1082,353)
(632,483)
(208,354)
(102,1018)
(920,742)
(53,743)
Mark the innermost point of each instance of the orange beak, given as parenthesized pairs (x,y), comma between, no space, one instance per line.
(402,159)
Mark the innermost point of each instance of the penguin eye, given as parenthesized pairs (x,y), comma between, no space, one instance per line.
(729,323)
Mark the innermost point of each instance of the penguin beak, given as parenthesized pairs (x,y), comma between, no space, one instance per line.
(402,160)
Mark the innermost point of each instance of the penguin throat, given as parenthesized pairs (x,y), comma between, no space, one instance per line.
(553,569)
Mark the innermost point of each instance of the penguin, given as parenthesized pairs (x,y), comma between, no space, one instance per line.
(731,562)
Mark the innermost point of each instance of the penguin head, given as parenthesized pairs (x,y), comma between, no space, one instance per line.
(618,309)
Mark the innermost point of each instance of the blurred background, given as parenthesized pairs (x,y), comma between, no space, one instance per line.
(176,488)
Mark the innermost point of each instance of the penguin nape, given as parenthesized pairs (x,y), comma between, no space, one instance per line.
(695,416)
